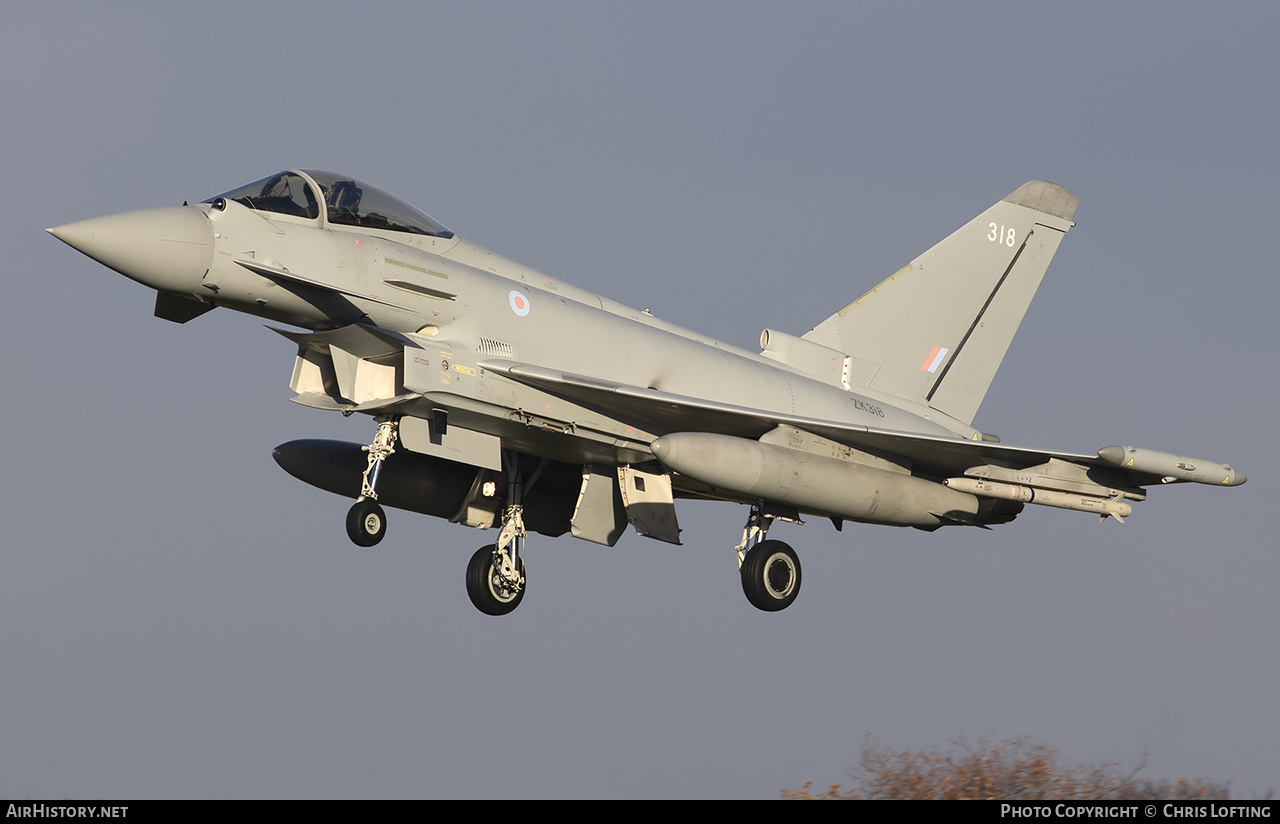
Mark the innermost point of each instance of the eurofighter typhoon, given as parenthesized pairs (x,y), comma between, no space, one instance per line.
(506,399)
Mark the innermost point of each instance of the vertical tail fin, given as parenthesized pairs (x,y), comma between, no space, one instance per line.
(936,330)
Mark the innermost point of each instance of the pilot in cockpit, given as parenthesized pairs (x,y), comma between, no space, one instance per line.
(344,199)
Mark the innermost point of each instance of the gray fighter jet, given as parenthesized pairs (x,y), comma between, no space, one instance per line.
(508,399)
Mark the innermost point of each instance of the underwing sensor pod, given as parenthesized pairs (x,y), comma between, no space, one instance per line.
(502,398)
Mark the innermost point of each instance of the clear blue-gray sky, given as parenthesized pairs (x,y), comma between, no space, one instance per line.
(179,618)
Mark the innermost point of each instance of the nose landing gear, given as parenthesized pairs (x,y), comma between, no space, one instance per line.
(366,521)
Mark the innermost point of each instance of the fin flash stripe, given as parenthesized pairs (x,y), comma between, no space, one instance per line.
(934,360)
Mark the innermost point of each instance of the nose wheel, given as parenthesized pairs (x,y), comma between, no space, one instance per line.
(366,523)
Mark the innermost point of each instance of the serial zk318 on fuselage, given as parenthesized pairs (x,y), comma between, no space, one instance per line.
(505,398)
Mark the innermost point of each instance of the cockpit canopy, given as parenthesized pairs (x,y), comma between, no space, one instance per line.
(347,202)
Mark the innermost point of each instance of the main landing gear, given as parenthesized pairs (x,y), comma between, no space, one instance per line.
(770,569)
(491,581)
(495,575)
(495,578)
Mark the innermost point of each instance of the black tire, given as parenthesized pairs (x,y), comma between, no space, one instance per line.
(480,585)
(366,523)
(771,576)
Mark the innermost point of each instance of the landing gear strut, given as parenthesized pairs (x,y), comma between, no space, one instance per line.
(366,522)
(495,575)
(770,569)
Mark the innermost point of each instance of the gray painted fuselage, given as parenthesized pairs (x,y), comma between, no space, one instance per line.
(863,418)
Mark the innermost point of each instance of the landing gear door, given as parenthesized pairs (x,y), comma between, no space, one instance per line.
(454,443)
(600,516)
(650,506)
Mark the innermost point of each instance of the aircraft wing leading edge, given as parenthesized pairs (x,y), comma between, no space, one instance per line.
(664,413)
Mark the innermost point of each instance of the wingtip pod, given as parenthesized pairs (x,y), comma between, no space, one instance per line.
(1172,467)
(1046,197)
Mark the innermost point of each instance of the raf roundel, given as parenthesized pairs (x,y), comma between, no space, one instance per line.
(519,303)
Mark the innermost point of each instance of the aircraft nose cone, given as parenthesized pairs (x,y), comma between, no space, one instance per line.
(168,249)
